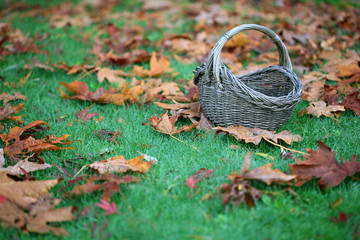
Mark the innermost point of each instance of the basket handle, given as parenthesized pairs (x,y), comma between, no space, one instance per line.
(213,62)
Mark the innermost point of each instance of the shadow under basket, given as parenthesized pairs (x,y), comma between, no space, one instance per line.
(264,99)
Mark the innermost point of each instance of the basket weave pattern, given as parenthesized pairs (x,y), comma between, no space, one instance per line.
(265,98)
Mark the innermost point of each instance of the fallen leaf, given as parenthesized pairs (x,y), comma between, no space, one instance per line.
(8,97)
(320,108)
(109,208)
(118,164)
(8,111)
(198,176)
(102,96)
(83,115)
(21,166)
(255,135)
(323,164)
(24,193)
(18,148)
(352,102)
(158,66)
(36,63)
(113,76)
(110,184)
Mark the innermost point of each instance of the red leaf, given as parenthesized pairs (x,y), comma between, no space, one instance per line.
(2,199)
(109,208)
(191,182)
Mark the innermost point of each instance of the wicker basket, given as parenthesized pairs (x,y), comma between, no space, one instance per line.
(265,98)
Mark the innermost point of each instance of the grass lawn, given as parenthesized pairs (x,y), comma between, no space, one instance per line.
(161,206)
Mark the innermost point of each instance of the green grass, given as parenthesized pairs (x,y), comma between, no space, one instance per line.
(158,207)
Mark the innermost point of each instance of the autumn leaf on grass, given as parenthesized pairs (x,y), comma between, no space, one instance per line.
(109,208)
(8,111)
(8,97)
(158,66)
(22,165)
(240,190)
(113,76)
(352,102)
(323,164)
(255,135)
(320,108)
(188,110)
(198,176)
(118,164)
(110,184)
(26,205)
(166,125)
(264,173)
(102,96)
(24,193)
(18,146)
(84,115)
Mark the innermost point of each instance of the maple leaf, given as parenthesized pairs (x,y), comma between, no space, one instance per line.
(84,116)
(17,148)
(255,135)
(101,95)
(36,219)
(8,111)
(158,66)
(343,217)
(166,125)
(321,109)
(109,208)
(323,164)
(110,184)
(21,166)
(24,193)
(198,176)
(118,164)
(352,102)
(8,97)
(113,76)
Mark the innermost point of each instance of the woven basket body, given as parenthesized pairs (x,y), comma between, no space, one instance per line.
(265,98)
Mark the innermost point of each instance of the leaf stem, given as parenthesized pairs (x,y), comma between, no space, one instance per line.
(182,141)
(278,145)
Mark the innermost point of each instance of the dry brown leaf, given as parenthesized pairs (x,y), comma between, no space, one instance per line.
(8,111)
(101,95)
(113,76)
(36,219)
(166,125)
(38,64)
(321,109)
(118,164)
(24,164)
(255,135)
(352,102)
(24,193)
(158,66)
(8,97)
(323,164)
(19,149)
(347,70)
(110,184)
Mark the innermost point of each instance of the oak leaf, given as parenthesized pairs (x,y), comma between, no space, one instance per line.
(255,135)
(118,164)
(323,164)
(158,66)
(321,109)
(166,125)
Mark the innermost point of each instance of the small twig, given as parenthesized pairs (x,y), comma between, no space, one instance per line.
(80,170)
(182,141)
(278,145)
(86,73)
